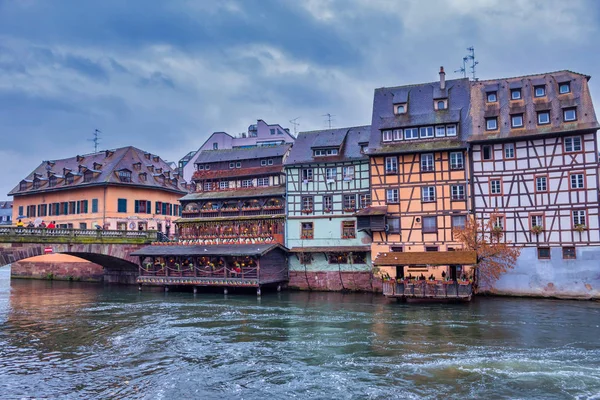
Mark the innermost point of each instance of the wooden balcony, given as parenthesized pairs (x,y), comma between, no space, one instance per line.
(442,291)
(234,212)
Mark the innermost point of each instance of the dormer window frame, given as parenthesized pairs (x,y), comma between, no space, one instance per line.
(327,152)
(443,102)
(124,175)
(515,94)
(22,186)
(387,135)
(539,91)
(52,181)
(491,96)
(400,108)
(397,135)
(562,85)
(69,179)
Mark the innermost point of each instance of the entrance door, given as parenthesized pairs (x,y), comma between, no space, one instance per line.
(121,226)
(142,226)
(399,272)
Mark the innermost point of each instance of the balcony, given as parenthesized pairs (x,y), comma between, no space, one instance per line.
(234,212)
(425,290)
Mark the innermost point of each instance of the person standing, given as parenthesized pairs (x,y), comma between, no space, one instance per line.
(51,225)
(20,224)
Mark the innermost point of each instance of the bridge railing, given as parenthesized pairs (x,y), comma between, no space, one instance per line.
(7,232)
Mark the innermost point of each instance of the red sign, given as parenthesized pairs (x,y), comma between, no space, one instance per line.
(47,250)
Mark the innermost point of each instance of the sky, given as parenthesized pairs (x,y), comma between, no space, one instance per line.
(163,75)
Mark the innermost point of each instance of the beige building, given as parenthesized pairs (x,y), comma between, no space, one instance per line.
(122,189)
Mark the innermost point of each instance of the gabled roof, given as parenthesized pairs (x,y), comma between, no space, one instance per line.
(237,154)
(110,162)
(348,141)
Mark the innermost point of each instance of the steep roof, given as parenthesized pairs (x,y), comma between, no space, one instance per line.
(237,154)
(420,112)
(102,168)
(347,140)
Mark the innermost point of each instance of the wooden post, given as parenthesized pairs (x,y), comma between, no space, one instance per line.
(225,291)
(258,291)
(195,289)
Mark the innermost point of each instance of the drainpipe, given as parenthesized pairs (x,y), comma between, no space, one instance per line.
(104,209)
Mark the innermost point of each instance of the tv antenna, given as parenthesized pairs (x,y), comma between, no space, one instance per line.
(329,118)
(463,69)
(295,124)
(471,56)
(96,139)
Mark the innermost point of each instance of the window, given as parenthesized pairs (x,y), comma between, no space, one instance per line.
(327,203)
(36,184)
(570,114)
(428,194)
(509,150)
(387,136)
(427,164)
(326,152)
(391,195)
(238,164)
(457,160)
(397,134)
(498,221)
(450,130)
(307,230)
(411,133)
(270,161)
(429,224)
(541,184)
(23,186)
(307,203)
(20,210)
(124,176)
(431,248)
(516,120)
(401,108)
(72,208)
(215,146)
(457,192)
(307,174)
(365,200)
(159,208)
(263,163)
(515,94)
(338,258)
(208,186)
(564,87)
(272,131)
(43,210)
(201,167)
(305,258)
(495,187)
(572,144)
(543,117)
(348,230)
(492,97)
(224,185)
(391,165)
(349,202)
(94,205)
(487,152)
(247,183)
(579,218)
(543,253)
(440,131)
(88,176)
(577,181)
(142,207)
(392,225)
(426,132)
(64,208)
(262,182)
(441,104)
(52,181)
(231,165)
(539,91)
(207,167)
(31,211)
(536,220)
(569,253)
(348,173)
(330,174)
(359,257)
(491,124)
(122,205)
(459,221)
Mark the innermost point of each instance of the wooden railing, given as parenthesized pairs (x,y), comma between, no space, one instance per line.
(44,235)
(198,271)
(224,212)
(428,289)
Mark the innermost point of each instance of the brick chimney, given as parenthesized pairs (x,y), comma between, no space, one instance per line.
(442,79)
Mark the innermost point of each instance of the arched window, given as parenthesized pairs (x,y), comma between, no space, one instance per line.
(441,105)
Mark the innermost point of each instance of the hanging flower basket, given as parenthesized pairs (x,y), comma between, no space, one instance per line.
(537,229)
(580,228)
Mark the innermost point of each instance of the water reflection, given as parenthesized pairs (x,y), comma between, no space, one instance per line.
(61,339)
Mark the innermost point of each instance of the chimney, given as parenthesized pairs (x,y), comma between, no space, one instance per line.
(442,79)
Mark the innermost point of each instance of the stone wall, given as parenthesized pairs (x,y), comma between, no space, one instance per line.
(57,267)
(334,281)
(557,277)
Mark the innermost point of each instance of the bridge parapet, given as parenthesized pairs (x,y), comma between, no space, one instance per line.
(74,236)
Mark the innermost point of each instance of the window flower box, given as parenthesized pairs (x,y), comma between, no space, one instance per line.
(537,229)
(256,208)
(306,237)
(307,211)
(580,228)
(327,210)
(349,209)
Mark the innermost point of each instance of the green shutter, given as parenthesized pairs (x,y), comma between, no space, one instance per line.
(20,211)
(94,205)
(158,208)
(78,207)
(65,208)
(148,207)
(164,208)
(122,205)
(84,206)
(170,209)
(136,206)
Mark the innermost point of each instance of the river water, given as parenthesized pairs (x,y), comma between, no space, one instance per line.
(87,341)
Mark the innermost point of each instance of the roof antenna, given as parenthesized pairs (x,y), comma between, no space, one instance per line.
(471,56)
(296,124)
(463,69)
(96,139)
(329,118)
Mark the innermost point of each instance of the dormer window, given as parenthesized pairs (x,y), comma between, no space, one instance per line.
(516,120)
(69,178)
(564,87)
(539,91)
(441,104)
(569,114)
(400,108)
(492,97)
(325,152)
(201,167)
(386,136)
(23,186)
(36,184)
(515,94)
(52,181)
(125,175)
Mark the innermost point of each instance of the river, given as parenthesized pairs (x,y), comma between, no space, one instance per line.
(88,341)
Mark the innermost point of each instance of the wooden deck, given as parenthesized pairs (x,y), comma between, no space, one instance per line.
(441,291)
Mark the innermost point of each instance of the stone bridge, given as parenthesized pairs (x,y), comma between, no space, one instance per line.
(110,249)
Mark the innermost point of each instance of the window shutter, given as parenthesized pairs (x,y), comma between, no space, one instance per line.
(136,206)
(158,207)
(85,206)
(78,207)
(170,209)
(148,207)
(66,208)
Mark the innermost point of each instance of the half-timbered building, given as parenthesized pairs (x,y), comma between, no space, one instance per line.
(327,183)
(419,172)
(535,173)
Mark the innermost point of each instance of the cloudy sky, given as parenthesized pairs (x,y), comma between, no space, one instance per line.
(163,75)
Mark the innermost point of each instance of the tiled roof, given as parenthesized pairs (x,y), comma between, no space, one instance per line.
(423,258)
(6,204)
(420,112)
(208,250)
(418,146)
(237,154)
(579,97)
(105,167)
(328,249)
(348,138)
(236,193)
(372,210)
(237,172)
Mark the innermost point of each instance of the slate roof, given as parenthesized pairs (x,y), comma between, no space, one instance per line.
(346,139)
(328,249)
(208,250)
(372,210)
(6,204)
(105,167)
(236,193)
(579,97)
(237,154)
(420,112)
(236,172)
(423,258)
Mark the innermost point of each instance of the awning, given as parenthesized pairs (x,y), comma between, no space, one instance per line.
(207,250)
(329,249)
(372,210)
(424,258)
